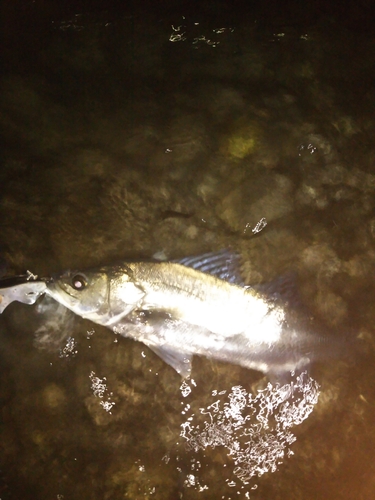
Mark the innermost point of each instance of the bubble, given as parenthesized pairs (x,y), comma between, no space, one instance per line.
(185,389)
(70,348)
(99,389)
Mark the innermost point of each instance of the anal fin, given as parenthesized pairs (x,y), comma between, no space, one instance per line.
(181,362)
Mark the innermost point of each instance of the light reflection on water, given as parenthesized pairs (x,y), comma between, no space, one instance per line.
(255,430)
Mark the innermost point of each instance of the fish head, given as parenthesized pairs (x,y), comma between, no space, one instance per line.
(103,296)
(84,293)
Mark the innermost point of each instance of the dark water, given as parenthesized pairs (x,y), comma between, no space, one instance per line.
(130,130)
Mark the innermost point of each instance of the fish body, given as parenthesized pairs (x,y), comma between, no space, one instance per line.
(178,311)
(189,295)
(177,341)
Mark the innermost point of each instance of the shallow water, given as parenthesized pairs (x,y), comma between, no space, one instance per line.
(129,132)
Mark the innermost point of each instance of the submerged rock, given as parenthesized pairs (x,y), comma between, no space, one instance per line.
(267,196)
(54,397)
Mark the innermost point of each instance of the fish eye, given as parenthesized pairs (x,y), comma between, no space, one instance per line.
(79,282)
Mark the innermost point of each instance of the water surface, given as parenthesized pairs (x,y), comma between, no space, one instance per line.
(134,131)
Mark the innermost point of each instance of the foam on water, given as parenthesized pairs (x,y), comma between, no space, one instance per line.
(256,429)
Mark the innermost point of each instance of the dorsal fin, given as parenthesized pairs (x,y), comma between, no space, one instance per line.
(282,290)
(223,264)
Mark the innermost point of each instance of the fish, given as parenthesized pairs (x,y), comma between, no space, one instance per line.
(194,306)
(23,288)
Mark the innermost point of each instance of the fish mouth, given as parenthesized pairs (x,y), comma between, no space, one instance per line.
(52,287)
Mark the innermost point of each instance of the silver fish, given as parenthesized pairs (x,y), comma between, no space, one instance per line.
(178,310)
